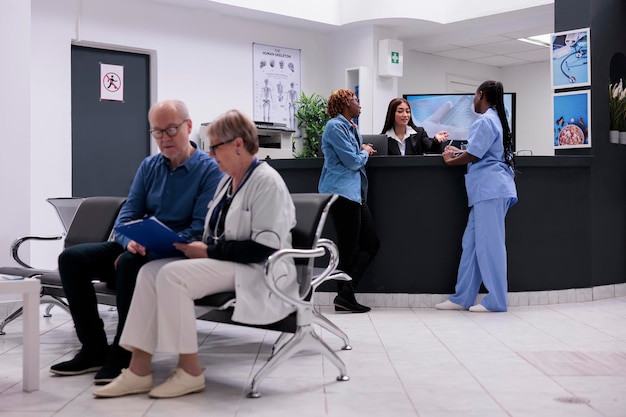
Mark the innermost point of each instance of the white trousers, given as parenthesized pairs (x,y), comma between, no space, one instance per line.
(162,315)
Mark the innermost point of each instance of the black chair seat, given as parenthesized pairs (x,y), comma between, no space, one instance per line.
(287,325)
(92,222)
(22,272)
(216,300)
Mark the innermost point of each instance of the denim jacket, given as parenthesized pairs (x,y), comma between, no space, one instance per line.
(343,172)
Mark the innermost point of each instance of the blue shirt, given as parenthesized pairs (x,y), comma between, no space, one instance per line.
(488,176)
(343,172)
(178,197)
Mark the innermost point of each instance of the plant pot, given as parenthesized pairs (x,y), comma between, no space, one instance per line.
(614,136)
(622,138)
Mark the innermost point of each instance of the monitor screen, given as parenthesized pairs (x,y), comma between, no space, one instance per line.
(379,142)
(452,113)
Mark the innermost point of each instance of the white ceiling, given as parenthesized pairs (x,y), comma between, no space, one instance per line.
(490,40)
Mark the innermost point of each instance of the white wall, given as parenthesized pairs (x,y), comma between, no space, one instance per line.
(15,121)
(425,73)
(201,57)
(533,126)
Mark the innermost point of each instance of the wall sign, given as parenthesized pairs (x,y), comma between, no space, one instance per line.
(276,83)
(111,82)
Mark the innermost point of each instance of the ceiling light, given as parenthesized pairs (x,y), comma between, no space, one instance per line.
(541,40)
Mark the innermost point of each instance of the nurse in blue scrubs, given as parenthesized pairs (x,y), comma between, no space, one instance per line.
(491,192)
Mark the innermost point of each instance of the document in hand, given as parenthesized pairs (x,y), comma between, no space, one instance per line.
(152,234)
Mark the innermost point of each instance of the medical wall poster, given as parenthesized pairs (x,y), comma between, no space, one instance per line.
(572,119)
(570,61)
(276,83)
(111,82)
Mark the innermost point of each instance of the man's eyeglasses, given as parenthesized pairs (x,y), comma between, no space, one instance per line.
(212,148)
(170,131)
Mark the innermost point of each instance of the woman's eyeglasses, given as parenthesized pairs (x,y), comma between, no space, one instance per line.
(212,147)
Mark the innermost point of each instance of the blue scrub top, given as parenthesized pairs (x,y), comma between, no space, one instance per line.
(488,177)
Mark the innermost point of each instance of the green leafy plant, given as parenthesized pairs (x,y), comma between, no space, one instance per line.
(312,118)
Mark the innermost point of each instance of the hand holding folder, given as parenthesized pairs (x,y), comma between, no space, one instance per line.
(153,235)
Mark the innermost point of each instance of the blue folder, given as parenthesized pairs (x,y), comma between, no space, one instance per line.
(153,235)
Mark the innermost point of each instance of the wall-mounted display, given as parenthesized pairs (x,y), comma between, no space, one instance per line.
(276,83)
(572,119)
(570,61)
(451,112)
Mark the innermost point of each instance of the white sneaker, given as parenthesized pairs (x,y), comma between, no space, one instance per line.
(479,308)
(449,305)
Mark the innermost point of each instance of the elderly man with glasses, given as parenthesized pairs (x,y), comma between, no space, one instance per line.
(175,186)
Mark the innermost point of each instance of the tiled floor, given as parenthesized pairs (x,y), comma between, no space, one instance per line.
(542,360)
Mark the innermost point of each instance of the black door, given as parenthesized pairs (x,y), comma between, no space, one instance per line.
(109,138)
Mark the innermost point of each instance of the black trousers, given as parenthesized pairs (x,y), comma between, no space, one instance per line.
(78,266)
(357,239)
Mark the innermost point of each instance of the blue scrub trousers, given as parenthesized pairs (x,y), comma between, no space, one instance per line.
(484,256)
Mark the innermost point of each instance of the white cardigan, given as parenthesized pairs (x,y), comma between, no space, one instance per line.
(262,210)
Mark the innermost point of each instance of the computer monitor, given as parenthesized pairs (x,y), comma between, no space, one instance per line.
(379,143)
(452,113)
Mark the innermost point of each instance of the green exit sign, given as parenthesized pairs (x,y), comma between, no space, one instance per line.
(395,57)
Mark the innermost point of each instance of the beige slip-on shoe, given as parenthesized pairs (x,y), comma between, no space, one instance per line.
(126,384)
(449,305)
(178,384)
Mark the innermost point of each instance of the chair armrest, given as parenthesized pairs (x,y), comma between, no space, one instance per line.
(330,271)
(275,259)
(15,246)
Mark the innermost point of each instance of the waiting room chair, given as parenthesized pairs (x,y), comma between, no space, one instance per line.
(311,213)
(92,222)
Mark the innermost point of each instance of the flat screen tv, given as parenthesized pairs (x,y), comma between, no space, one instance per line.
(452,112)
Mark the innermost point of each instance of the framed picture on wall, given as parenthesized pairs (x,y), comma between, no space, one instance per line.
(572,119)
(570,59)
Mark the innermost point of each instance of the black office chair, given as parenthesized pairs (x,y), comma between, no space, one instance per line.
(92,222)
(311,213)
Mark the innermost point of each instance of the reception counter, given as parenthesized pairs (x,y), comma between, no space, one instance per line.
(420,209)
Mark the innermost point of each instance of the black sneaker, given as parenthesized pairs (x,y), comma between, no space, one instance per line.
(117,359)
(81,364)
(346,306)
(110,371)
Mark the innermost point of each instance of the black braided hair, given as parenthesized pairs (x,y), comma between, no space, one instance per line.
(494,92)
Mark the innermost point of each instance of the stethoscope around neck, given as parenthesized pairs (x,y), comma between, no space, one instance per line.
(218,216)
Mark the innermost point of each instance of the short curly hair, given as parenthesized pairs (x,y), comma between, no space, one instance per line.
(338,101)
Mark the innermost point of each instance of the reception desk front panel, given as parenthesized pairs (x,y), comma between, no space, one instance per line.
(420,208)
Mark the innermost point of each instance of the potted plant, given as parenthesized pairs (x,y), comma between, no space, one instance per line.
(617,111)
(312,118)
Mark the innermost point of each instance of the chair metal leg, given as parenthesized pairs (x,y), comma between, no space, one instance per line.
(45,299)
(323,321)
(53,301)
(9,319)
(282,339)
(305,338)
